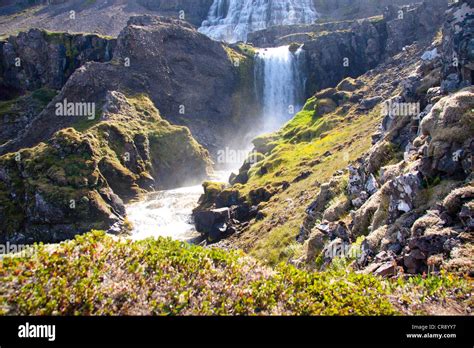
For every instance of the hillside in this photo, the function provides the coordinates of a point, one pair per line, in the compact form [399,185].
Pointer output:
[332,152]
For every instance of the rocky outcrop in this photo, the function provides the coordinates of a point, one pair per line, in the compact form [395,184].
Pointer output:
[16,114]
[194,11]
[411,217]
[189,77]
[77,181]
[458,47]
[41,59]
[363,45]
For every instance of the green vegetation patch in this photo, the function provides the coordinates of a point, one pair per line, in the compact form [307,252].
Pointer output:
[96,274]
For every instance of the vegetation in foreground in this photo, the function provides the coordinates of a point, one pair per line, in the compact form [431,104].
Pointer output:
[96,274]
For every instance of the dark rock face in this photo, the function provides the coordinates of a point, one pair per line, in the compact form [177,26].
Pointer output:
[37,58]
[189,77]
[213,223]
[458,47]
[334,56]
[412,23]
[340,49]
[350,9]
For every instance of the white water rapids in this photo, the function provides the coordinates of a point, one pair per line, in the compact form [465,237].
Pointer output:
[233,20]
[168,213]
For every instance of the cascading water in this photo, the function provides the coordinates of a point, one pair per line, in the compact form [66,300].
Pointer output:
[279,81]
[233,20]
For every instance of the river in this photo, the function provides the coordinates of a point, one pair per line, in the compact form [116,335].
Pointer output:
[168,213]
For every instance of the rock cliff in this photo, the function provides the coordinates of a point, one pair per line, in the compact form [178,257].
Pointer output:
[190,78]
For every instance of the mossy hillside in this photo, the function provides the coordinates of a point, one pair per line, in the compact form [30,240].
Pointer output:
[37,99]
[304,154]
[129,152]
[14,113]
[318,145]
[96,274]
[39,184]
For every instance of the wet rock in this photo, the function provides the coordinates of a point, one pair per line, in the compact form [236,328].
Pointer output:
[324,106]
[212,223]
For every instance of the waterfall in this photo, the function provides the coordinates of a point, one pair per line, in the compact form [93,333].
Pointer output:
[233,20]
[279,82]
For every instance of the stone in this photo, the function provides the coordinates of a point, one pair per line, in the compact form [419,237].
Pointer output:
[314,245]
[369,103]
[349,85]
[414,261]
[387,269]
[209,221]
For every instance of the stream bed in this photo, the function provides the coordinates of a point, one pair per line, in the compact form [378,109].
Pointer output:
[168,213]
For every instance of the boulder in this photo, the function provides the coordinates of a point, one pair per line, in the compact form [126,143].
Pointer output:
[212,223]
[449,126]
[349,85]
[369,103]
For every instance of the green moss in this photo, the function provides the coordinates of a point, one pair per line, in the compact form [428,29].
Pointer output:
[35,101]
[212,188]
